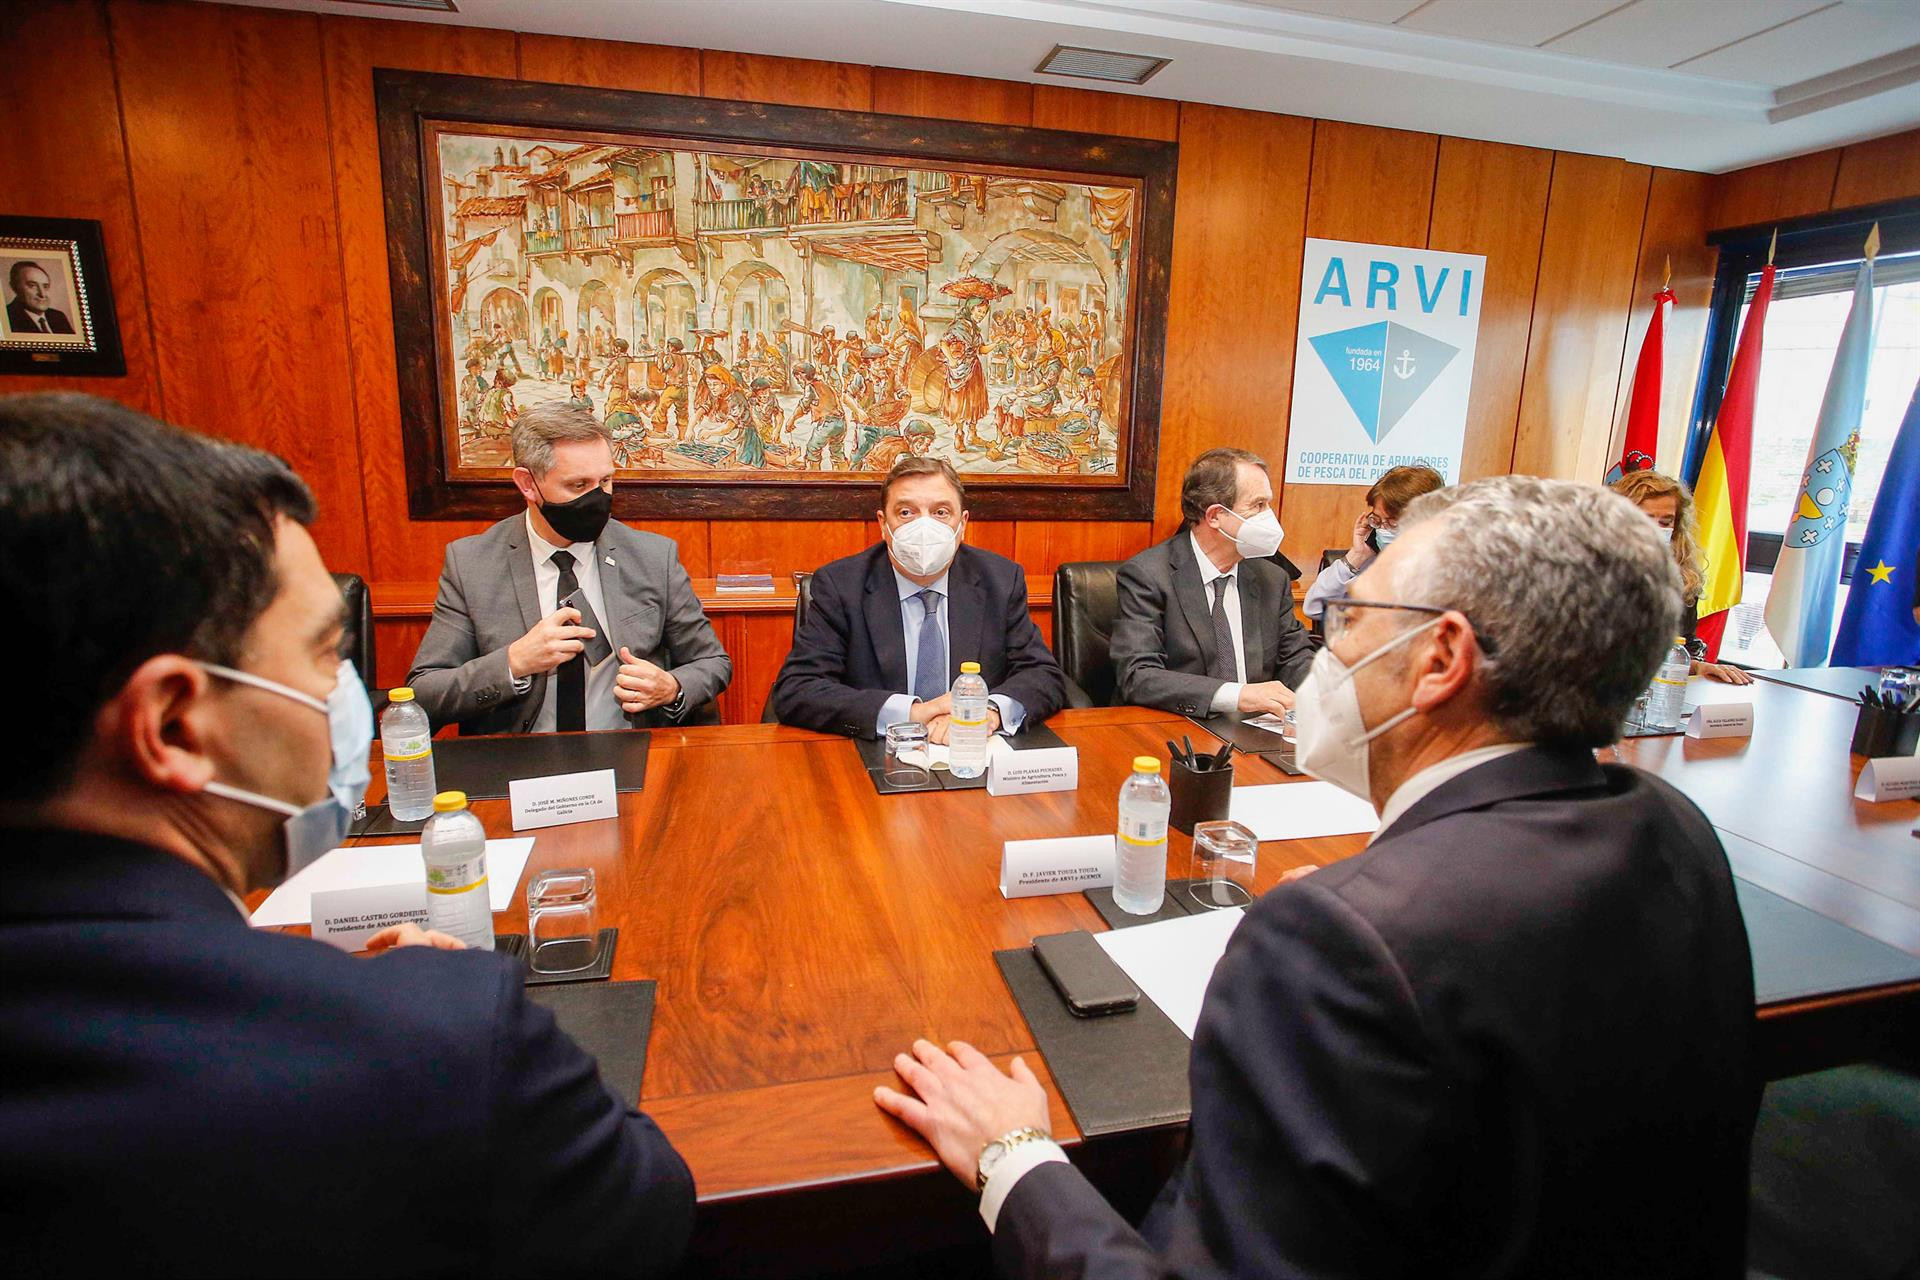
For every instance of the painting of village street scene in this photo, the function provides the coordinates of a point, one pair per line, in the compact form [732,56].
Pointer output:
[786,316]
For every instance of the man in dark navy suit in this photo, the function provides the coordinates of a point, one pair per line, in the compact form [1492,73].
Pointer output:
[1511,1038]
[888,629]
[186,1095]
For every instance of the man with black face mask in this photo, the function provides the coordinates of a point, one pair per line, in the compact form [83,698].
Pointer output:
[186,1095]
[561,618]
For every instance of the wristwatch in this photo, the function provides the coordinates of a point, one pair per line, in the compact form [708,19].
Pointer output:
[996,1151]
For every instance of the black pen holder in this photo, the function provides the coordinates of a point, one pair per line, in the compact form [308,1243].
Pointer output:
[1875,732]
[1199,795]
[1906,734]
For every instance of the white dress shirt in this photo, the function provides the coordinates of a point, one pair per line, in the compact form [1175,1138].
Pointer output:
[913,616]
[1429,779]
[1228,696]
[603,709]
[1332,582]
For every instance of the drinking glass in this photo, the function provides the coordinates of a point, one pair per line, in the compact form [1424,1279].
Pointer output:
[1221,869]
[562,921]
[906,762]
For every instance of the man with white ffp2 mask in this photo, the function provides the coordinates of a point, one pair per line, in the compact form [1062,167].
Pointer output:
[887,629]
[1206,620]
[1512,1037]
[246,1102]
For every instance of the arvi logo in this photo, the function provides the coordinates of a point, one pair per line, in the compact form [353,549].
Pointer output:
[1382,369]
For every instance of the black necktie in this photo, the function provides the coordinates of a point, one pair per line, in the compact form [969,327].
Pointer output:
[570,680]
[1223,666]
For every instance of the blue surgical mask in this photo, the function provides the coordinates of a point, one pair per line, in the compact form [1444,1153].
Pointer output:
[1382,536]
[314,830]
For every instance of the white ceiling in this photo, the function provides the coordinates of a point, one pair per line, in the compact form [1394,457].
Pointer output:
[1692,84]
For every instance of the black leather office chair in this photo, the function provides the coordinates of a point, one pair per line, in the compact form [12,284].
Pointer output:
[357,644]
[1086,598]
[802,601]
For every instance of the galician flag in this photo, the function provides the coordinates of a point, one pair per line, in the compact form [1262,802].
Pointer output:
[1720,490]
[1806,577]
[1643,410]
[1878,627]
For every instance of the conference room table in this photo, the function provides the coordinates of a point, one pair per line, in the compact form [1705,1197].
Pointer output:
[802,929]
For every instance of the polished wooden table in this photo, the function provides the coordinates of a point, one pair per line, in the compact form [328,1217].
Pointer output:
[803,929]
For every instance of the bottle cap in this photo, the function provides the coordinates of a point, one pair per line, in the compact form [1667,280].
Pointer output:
[969,668]
[1146,764]
[402,694]
[450,802]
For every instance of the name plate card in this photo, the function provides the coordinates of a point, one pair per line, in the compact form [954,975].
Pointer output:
[1019,773]
[346,918]
[1721,720]
[1889,778]
[1031,868]
[561,798]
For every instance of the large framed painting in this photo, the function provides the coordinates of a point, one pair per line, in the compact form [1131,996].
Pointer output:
[769,306]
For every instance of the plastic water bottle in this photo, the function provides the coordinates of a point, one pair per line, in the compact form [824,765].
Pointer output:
[1667,695]
[406,740]
[454,845]
[968,732]
[1140,847]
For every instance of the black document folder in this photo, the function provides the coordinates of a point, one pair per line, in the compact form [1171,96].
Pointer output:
[611,1021]
[1119,1072]
[873,755]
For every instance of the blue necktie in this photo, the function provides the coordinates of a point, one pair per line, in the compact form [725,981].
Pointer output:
[930,671]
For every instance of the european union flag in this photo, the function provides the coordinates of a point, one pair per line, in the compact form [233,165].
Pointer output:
[1878,627]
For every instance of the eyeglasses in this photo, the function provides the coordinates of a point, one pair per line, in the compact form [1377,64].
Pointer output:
[1335,618]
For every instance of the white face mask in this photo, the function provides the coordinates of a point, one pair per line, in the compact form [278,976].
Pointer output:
[924,546]
[311,831]
[1331,737]
[1259,535]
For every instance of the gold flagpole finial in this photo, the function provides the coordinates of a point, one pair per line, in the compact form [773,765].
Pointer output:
[1772,245]
[1873,243]
[1666,276]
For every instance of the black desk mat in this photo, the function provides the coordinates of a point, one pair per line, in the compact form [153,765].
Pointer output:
[1177,904]
[515,944]
[1121,1072]
[482,767]
[1248,740]
[612,1021]
[873,755]
[1798,953]
[379,821]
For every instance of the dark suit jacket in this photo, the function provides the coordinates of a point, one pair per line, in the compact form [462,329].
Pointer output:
[851,653]
[188,1096]
[1163,634]
[488,599]
[1510,1039]
[20,322]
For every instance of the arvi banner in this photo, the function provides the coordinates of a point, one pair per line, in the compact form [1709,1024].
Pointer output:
[1384,361]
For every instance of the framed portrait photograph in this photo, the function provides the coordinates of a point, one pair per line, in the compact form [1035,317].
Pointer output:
[770,306]
[58,317]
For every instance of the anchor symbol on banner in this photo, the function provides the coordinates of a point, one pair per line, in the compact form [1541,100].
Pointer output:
[1403,367]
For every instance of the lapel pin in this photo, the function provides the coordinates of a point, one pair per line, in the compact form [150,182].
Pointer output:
[610,561]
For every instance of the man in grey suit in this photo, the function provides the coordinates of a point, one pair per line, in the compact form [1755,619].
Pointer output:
[1206,620]
[560,618]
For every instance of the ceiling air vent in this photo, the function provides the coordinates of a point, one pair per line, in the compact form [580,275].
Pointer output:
[1100,64]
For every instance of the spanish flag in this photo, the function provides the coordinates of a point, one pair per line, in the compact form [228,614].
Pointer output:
[1720,492]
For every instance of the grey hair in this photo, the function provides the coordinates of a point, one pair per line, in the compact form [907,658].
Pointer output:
[1575,590]
[538,429]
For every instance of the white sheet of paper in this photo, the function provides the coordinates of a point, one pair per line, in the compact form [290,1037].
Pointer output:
[1271,723]
[1300,810]
[365,865]
[933,756]
[1172,961]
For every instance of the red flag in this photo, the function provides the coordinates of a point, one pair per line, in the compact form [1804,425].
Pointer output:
[1720,490]
[1643,410]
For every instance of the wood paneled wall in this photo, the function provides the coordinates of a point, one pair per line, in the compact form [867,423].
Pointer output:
[230,154]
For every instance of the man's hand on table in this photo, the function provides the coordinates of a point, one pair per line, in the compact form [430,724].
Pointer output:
[960,1102]
[940,728]
[412,935]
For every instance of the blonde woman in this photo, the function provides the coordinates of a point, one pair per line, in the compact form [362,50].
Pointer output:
[1668,504]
